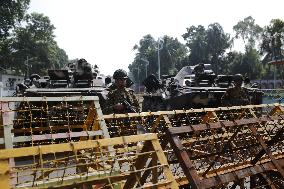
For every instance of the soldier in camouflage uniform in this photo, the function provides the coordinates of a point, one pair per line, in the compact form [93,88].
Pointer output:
[121,99]
[237,95]
[198,71]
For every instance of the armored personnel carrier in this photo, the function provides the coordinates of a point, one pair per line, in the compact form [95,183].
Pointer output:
[76,79]
[190,90]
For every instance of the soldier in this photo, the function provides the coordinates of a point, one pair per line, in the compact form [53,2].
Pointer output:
[236,95]
[121,99]
[198,71]
[173,87]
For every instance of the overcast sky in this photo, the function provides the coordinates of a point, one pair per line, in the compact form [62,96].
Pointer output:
[105,31]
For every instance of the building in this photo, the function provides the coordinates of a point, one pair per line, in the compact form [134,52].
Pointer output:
[8,83]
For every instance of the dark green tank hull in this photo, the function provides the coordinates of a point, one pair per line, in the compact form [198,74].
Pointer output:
[192,97]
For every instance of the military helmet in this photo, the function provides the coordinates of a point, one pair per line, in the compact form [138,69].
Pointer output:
[36,76]
[120,74]
[238,77]
[201,65]
[80,61]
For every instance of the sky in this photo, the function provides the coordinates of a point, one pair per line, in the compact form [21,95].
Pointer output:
[104,32]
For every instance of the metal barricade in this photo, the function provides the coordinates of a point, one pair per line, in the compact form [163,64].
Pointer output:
[159,122]
[88,164]
[245,152]
[32,121]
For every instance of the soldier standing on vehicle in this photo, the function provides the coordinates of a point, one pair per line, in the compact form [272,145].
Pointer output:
[236,95]
[121,99]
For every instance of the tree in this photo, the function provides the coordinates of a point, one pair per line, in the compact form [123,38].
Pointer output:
[11,13]
[207,45]
[272,45]
[145,51]
[27,41]
[35,40]
[195,38]
[217,43]
[171,56]
[272,40]
[248,31]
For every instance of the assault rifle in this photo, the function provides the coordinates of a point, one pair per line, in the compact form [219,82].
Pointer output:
[129,108]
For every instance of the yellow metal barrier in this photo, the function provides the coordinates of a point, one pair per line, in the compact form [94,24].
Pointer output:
[88,163]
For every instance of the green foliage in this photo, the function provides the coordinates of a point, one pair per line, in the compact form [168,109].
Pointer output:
[207,45]
[11,13]
[248,31]
[272,40]
[36,40]
[211,45]
[272,47]
[171,57]
[32,47]
[251,63]
[247,64]
[217,43]
[195,38]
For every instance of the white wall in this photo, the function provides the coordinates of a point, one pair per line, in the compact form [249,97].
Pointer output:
[8,84]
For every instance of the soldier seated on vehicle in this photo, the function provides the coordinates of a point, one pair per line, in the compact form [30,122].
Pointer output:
[198,71]
[173,87]
[34,81]
[121,99]
[237,95]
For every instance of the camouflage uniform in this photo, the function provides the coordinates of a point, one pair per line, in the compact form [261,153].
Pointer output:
[198,71]
[120,96]
[235,96]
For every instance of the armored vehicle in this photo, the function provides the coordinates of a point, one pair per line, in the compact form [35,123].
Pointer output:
[190,90]
[43,115]
[77,79]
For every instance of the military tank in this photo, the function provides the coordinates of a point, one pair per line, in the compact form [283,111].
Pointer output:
[190,90]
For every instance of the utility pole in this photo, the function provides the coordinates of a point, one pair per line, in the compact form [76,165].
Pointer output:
[138,77]
[160,43]
[28,66]
[147,64]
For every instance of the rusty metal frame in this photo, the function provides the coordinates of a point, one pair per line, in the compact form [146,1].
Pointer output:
[271,162]
[173,112]
[209,115]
